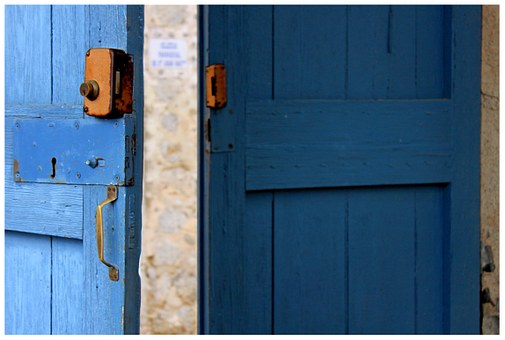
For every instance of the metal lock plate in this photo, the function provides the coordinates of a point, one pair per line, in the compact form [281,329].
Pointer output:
[68,151]
[108,83]
[216,86]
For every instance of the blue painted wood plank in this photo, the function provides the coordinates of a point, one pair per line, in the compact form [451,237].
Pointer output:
[27,283]
[258,259]
[309,41]
[204,277]
[43,111]
[108,26]
[401,52]
[69,45]
[310,262]
[373,143]
[67,286]
[28,56]
[226,300]
[431,260]
[132,213]
[367,33]
[381,261]
[432,44]
[358,122]
[465,186]
[43,209]
[260,51]
[283,167]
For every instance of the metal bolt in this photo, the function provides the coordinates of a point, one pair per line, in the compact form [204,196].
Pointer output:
[87,53]
[116,124]
[85,109]
[76,125]
[18,175]
[117,178]
[78,175]
[17,125]
[92,163]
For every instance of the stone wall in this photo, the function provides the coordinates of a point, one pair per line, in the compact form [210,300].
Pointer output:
[168,263]
[168,266]
[489,170]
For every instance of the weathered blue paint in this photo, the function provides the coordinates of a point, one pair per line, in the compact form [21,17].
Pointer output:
[54,282]
[349,202]
[41,157]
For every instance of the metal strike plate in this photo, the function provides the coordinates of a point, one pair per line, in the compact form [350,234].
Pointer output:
[73,151]
[108,83]
[216,86]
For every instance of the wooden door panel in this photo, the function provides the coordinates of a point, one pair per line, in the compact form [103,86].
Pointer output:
[340,182]
[67,261]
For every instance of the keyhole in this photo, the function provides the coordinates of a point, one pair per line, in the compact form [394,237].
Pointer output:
[53,162]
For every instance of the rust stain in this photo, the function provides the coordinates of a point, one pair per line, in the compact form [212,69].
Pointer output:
[123,102]
[17,177]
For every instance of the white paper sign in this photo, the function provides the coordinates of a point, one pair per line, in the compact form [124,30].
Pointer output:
[167,53]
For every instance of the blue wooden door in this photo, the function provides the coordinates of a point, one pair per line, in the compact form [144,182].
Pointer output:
[54,282]
[340,184]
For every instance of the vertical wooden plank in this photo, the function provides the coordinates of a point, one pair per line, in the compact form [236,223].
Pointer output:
[133,200]
[259,49]
[69,45]
[258,264]
[465,187]
[203,229]
[430,50]
[430,260]
[107,26]
[381,261]
[67,286]
[367,33]
[310,42]
[227,182]
[381,53]
[27,283]
[28,54]
[309,262]
[401,52]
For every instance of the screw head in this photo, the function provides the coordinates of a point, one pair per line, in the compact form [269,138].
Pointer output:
[78,175]
[117,178]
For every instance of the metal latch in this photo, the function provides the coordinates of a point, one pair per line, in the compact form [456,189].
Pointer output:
[108,83]
[216,86]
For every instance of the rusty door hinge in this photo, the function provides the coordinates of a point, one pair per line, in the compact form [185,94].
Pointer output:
[216,86]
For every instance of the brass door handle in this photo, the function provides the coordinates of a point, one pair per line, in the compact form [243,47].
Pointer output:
[111,197]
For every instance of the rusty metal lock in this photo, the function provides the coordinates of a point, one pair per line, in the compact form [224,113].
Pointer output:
[108,83]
